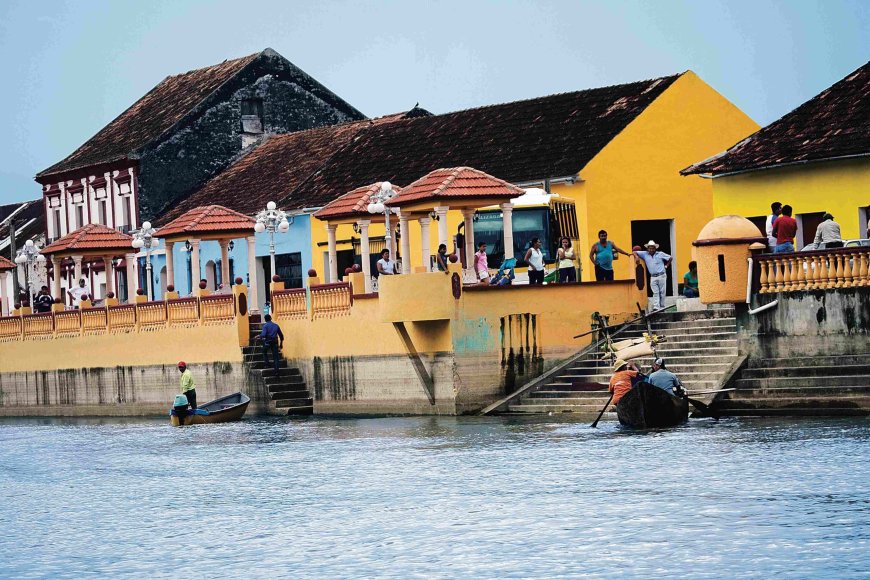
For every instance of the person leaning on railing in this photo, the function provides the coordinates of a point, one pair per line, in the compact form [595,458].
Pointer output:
[828,234]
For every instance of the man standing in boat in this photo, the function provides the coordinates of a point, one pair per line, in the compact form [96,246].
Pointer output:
[273,339]
[665,379]
[624,377]
[188,387]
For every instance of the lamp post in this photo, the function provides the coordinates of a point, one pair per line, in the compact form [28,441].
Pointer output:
[272,219]
[146,238]
[27,257]
[378,204]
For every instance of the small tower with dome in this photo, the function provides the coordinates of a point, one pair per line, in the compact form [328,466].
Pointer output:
[722,251]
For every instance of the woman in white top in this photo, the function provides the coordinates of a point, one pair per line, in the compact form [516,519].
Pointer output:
[535,259]
[385,265]
[565,255]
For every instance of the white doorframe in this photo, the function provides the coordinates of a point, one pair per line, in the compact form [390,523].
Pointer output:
[675,279]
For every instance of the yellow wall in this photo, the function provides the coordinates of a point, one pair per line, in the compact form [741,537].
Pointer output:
[838,187]
[711,288]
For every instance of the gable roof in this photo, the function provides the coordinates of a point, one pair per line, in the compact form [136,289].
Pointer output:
[90,238]
[833,124]
[6,264]
[553,136]
[210,219]
[460,183]
[29,217]
[352,204]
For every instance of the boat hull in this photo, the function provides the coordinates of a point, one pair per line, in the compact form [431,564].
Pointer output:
[646,407]
[223,410]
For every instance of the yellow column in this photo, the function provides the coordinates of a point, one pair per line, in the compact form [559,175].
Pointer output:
[252,272]
[55,281]
[424,241]
[333,253]
[225,264]
[132,282]
[109,269]
[443,236]
[404,231]
[468,216]
[195,272]
[507,211]
[170,264]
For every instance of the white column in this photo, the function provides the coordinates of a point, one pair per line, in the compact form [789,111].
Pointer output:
[132,280]
[195,272]
[404,232]
[333,254]
[252,273]
[225,264]
[55,281]
[109,271]
[468,215]
[4,308]
[170,264]
[424,240]
[442,226]
[77,260]
[365,250]
[507,211]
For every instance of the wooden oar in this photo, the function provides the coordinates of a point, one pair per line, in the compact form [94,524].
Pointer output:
[601,414]
[710,392]
[705,409]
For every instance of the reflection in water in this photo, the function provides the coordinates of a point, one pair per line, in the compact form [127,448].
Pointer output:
[433,496]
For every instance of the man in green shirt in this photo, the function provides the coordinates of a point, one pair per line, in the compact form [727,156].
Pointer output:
[188,387]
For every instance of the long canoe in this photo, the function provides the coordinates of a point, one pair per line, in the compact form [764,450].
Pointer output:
[646,406]
[223,410]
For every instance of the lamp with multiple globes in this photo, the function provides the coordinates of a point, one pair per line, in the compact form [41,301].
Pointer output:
[146,238]
[272,220]
[378,205]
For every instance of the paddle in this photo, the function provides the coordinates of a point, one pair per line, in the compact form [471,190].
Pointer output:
[601,414]
[705,409]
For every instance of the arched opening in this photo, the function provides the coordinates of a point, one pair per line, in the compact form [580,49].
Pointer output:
[211,275]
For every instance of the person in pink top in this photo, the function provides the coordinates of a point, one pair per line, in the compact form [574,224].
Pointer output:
[480,264]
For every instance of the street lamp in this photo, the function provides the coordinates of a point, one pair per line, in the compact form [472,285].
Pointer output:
[28,256]
[272,219]
[146,238]
[378,204]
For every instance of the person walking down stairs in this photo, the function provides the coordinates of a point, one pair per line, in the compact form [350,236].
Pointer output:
[273,339]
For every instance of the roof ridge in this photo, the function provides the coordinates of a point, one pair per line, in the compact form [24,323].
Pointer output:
[203,68]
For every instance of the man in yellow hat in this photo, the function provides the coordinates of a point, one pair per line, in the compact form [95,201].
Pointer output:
[188,387]
[623,379]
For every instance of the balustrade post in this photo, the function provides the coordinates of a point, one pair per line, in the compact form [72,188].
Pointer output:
[779,275]
[823,273]
[848,265]
[762,277]
[800,274]
[863,269]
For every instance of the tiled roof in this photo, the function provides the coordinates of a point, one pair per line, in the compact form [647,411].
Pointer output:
[833,124]
[89,238]
[210,219]
[29,219]
[461,183]
[351,204]
[6,264]
[552,136]
[161,108]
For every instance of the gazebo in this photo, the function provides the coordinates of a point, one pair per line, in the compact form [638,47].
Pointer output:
[211,222]
[463,188]
[93,241]
[352,207]
[5,266]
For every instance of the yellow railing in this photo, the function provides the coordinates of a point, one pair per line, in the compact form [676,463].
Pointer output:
[67,323]
[817,270]
[10,328]
[151,315]
[331,300]
[38,326]
[122,318]
[183,312]
[290,303]
[94,321]
[217,309]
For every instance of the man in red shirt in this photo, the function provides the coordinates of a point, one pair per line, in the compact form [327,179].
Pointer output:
[784,229]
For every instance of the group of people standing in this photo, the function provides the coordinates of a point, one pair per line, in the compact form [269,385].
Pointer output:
[781,229]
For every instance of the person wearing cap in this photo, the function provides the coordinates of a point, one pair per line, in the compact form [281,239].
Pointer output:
[188,387]
[656,264]
[624,377]
[79,292]
[665,379]
[828,234]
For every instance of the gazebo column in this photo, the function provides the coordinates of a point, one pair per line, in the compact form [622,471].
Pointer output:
[132,280]
[170,264]
[333,254]
[4,307]
[252,272]
[404,233]
[225,263]
[109,270]
[195,272]
[424,240]
[441,212]
[365,250]
[507,212]
[468,216]
[55,280]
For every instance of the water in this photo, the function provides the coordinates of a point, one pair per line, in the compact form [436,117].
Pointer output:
[434,497]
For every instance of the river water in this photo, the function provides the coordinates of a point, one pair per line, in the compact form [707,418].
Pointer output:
[434,497]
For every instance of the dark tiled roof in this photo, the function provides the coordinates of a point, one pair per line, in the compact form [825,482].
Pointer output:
[352,204]
[210,219]
[30,222]
[161,108]
[456,183]
[833,124]
[89,238]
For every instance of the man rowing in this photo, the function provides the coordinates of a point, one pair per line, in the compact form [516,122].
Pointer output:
[625,375]
[664,379]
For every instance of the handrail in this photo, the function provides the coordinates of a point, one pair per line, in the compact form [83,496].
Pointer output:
[814,270]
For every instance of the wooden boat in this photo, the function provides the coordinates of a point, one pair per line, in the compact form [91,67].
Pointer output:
[223,410]
[647,406]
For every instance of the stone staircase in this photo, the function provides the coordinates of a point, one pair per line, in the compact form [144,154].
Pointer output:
[701,348]
[818,386]
[286,388]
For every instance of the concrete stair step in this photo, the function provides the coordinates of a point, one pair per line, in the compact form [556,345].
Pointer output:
[805,381]
[681,331]
[667,352]
[858,402]
[791,392]
[560,394]
[846,411]
[576,386]
[813,361]
[284,383]
[590,410]
[299,402]
[290,395]
[598,401]
[803,371]
[260,364]
[282,372]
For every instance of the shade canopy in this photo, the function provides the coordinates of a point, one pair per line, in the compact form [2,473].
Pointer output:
[91,240]
[209,222]
[353,205]
[456,187]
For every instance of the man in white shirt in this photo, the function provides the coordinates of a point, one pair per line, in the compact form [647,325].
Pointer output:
[78,292]
[776,210]
[386,266]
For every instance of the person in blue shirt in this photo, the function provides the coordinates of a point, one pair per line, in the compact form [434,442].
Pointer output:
[273,339]
[665,379]
[656,264]
[602,255]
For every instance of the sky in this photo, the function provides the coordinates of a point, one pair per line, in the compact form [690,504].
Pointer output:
[70,67]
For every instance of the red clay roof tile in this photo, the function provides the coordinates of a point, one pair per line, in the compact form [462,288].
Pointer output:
[210,219]
[89,238]
[456,183]
[6,264]
[352,204]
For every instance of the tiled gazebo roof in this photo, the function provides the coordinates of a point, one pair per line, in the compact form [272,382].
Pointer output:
[457,184]
[353,204]
[209,221]
[93,239]
[6,264]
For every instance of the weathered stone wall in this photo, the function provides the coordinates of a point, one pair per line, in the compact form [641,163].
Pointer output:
[821,322]
[201,147]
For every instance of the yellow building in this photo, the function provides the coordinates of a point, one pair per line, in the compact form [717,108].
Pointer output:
[816,159]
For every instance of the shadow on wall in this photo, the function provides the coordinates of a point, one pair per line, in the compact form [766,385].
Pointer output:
[521,356]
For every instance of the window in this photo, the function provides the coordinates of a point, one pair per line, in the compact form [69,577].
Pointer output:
[101,212]
[721,268]
[128,214]
[80,215]
[252,116]
[58,231]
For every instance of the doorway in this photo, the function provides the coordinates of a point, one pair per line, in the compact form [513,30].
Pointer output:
[211,275]
[662,233]
[806,232]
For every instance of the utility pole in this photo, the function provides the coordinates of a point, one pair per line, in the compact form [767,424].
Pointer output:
[16,289]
